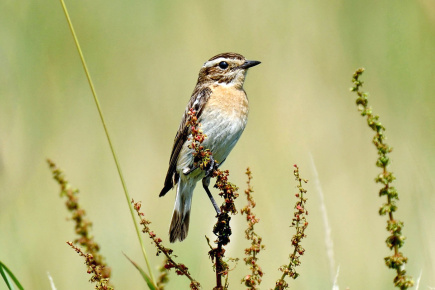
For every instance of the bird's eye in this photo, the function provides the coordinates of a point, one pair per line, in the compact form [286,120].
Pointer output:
[223,64]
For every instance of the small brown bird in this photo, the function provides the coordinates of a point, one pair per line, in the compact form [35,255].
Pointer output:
[221,106]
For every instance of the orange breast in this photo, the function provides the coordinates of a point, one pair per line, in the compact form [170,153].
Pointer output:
[228,100]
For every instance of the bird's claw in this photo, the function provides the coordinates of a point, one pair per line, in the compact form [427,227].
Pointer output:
[211,167]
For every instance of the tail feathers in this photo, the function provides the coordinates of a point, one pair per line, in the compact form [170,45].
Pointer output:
[179,226]
[180,218]
[165,189]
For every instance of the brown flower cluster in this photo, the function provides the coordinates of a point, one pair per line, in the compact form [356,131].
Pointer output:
[82,224]
[180,269]
[94,268]
[201,156]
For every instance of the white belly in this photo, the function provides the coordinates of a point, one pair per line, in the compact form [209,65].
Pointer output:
[223,130]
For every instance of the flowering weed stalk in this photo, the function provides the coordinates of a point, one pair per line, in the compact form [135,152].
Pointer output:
[227,190]
[180,269]
[222,228]
[201,155]
[254,279]
[396,240]
[299,221]
[94,268]
[82,224]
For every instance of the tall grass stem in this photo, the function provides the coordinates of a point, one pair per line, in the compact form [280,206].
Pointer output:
[97,103]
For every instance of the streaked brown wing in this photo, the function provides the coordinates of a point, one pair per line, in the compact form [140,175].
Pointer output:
[198,100]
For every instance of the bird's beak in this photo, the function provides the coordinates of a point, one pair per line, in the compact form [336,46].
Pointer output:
[249,63]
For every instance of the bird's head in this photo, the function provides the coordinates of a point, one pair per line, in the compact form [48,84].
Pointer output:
[225,69]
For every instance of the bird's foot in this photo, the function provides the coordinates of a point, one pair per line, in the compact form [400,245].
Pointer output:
[205,184]
[211,167]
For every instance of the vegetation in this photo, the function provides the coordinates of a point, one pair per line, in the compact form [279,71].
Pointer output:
[143,57]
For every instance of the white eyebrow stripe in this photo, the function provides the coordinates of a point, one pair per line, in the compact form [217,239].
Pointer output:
[214,62]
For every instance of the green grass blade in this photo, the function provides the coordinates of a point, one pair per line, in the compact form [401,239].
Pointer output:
[8,273]
[144,275]
[5,278]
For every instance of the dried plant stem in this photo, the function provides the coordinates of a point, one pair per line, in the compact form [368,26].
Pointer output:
[97,103]
[219,267]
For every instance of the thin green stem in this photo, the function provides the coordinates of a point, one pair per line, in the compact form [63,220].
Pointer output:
[97,103]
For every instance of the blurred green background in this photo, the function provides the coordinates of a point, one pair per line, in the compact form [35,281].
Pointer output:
[144,57]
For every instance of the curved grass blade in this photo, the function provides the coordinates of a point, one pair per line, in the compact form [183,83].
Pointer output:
[5,272]
[144,275]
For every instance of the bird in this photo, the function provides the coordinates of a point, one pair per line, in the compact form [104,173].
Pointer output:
[221,107]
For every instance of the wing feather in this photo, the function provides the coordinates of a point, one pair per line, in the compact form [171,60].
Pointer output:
[197,101]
